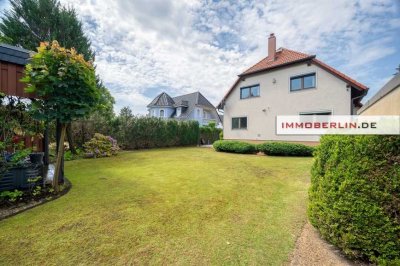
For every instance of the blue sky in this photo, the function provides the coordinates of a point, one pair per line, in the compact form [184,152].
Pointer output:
[144,47]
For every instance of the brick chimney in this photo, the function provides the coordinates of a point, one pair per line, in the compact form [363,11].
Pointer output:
[271,46]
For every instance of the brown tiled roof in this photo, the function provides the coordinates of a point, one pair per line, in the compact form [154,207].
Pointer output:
[284,57]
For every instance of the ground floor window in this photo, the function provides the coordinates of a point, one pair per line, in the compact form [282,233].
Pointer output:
[161,113]
[239,122]
[314,115]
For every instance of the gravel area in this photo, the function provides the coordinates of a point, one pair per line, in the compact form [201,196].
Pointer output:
[311,249]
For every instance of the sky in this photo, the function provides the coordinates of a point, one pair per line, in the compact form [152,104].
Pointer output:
[145,47]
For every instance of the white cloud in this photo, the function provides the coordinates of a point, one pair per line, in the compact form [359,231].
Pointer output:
[146,46]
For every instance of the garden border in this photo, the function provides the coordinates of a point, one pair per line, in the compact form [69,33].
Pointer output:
[4,214]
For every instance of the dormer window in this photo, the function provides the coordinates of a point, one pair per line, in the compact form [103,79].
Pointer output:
[250,91]
[161,113]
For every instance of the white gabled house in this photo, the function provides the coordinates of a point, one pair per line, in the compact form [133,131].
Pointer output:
[192,106]
[286,82]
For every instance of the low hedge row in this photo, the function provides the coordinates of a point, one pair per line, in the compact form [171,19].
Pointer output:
[269,148]
[234,146]
[285,149]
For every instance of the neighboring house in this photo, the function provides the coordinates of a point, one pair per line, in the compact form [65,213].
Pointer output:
[193,106]
[386,101]
[286,82]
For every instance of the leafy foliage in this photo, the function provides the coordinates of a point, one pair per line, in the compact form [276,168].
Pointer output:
[11,196]
[101,146]
[15,120]
[64,81]
[285,149]
[355,195]
[209,133]
[137,132]
[30,22]
[69,156]
[19,156]
[234,146]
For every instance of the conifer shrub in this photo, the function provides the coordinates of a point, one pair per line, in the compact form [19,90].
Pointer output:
[355,196]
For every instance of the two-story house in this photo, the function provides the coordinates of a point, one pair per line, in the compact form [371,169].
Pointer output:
[286,82]
[192,106]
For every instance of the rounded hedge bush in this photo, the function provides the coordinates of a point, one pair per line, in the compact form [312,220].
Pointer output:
[355,196]
[285,149]
[234,146]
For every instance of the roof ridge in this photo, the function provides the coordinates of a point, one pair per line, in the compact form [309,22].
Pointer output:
[166,99]
[184,94]
[205,99]
[283,56]
[293,51]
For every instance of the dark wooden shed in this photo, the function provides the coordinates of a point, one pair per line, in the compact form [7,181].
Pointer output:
[12,63]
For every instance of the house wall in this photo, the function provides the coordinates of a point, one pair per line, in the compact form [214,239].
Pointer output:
[330,94]
[388,105]
[198,115]
[168,111]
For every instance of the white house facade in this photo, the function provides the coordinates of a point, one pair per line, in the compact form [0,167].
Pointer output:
[192,106]
[286,83]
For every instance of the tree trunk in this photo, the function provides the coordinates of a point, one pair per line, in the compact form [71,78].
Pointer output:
[46,159]
[59,161]
[70,139]
[58,135]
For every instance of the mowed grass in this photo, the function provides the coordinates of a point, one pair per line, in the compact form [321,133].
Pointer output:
[168,206]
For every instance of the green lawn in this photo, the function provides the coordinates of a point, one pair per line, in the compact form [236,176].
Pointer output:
[168,206]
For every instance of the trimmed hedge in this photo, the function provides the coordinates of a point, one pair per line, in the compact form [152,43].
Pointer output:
[355,196]
[151,132]
[285,149]
[234,146]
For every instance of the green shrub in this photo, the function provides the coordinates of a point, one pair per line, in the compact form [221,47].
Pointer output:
[69,156]
[11,196]
[101,146]
[209,133]
[285,149]
[152,132]
[234,146]
[355,195]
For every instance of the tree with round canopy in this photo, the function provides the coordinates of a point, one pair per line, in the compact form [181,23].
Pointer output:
[66,86]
